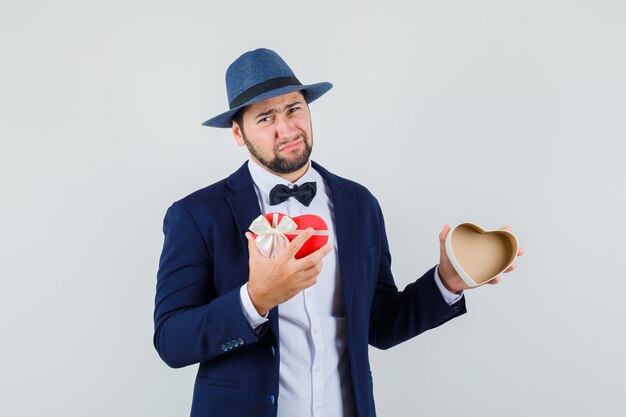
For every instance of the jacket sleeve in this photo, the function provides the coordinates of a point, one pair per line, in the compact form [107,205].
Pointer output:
[191,323]
[397,316]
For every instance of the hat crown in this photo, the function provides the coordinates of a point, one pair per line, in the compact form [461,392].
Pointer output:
[252,68]
[260,75]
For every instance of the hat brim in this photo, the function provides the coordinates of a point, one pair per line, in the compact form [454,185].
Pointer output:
[312,93]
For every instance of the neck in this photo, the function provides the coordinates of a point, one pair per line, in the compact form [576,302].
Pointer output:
[292,176]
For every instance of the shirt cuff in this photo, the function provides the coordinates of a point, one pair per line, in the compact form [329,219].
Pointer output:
[252,316]
[449,296]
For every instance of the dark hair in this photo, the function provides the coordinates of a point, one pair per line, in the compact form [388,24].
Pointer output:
[238,117]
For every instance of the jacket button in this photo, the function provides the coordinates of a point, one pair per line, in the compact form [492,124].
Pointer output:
[224,348]
[240,340]
[229,345]
[273,351]
[235,343]
[272,400]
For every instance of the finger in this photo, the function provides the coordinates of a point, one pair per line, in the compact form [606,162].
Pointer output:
[297,243]
[520,251]
[313,258]
[510,268]
[309,282]
[306,278]
[252,248]
[442,238]
[507,228]
[495,281]
[315,270]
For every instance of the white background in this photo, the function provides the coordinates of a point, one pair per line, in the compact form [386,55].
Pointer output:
[489,111]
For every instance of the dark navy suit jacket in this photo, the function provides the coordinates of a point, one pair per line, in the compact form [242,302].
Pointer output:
[198,316]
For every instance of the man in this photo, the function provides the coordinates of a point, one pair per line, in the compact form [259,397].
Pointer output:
[284,336]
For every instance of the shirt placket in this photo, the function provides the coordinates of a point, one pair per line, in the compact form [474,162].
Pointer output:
[315,333]
[317,359]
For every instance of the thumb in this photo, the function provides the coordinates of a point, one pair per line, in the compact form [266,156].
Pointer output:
[442,239]
[252,248]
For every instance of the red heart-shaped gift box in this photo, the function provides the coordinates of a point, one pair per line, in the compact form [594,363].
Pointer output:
[319,238]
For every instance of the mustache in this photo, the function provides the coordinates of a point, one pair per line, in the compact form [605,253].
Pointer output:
[282,144]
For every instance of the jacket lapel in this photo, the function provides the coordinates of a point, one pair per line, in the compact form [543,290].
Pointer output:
[243,202]
[344,207]
[244,205]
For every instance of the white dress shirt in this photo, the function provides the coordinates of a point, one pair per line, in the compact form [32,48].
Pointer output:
[315,378]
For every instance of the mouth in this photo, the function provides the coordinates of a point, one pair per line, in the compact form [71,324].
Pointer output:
[287,147]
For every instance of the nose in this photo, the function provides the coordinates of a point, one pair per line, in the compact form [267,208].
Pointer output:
[285,128]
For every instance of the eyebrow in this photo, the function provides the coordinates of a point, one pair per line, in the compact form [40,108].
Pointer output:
[274,110]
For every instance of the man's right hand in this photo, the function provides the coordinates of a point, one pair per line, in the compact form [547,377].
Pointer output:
[276,280]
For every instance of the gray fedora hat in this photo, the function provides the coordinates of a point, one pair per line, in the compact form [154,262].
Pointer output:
[258,75]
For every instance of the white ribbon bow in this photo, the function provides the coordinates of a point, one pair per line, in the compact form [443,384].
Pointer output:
[271,239]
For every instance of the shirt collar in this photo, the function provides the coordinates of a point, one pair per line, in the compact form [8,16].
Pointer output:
[266,180]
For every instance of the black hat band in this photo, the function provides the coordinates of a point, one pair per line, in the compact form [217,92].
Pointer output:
[263,87]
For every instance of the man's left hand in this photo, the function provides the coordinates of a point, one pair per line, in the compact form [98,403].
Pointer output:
[449,277]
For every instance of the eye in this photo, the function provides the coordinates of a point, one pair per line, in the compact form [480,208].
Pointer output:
[265,119]
[293,109]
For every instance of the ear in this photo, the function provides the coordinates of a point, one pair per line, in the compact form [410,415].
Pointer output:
[237,134]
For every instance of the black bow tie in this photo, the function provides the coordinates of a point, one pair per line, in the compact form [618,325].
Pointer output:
[303,193]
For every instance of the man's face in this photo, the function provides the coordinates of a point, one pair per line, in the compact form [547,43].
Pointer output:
[277,132]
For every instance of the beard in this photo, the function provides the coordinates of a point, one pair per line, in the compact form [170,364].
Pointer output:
[281,164]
